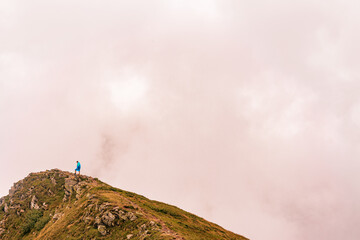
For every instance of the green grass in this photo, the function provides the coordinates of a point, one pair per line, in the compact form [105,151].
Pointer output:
[31,218]
[40,224]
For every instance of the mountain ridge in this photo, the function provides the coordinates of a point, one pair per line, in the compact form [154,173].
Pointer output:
[56,204]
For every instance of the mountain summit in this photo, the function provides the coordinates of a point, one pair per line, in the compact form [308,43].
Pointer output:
[58,205]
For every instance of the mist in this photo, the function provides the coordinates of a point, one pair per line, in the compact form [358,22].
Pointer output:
[246,114]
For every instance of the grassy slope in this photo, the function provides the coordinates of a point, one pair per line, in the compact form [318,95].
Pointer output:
[189,225]
[169,219]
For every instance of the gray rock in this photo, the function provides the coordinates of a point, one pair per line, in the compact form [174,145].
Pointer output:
[142,227]
[78,190]
[122,215]
[108,219]
[57,216]
[45,206]
[34,203]
[154,226]
[97,221]
[103,206]
[69,183]
[102,230]
[131,216]
[88,220]
[6,208]
[126,215]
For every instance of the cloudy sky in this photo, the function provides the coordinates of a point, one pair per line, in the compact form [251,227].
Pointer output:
[246,113]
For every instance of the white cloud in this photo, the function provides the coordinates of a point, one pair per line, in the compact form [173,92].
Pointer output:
[127,91]
[255,102]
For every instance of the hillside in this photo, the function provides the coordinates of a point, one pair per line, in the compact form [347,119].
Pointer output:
[58,205]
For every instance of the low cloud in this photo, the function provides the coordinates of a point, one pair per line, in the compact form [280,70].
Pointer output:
[246,114]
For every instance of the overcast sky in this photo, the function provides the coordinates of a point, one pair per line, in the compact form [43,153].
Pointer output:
[246,113]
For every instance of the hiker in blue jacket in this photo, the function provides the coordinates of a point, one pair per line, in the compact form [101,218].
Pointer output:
[78,166]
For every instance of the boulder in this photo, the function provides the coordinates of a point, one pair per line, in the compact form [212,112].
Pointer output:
[79,189]
[102,230]
[6,208]
[131,216]
[122,215]
[57,216]
[69,183]
[88,220]
[34,203]
[103,206]
[154,226]
[126,215]
[108,219]
[45,206]
[97,221]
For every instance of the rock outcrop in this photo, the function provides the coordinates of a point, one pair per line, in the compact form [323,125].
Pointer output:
[17,186]
[6,208]
[34,203]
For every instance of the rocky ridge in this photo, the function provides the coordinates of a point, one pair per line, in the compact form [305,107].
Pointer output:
[58,205]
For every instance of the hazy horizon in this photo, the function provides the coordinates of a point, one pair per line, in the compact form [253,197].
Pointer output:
[244,113]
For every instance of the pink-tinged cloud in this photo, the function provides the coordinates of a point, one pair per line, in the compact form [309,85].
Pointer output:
[245,113]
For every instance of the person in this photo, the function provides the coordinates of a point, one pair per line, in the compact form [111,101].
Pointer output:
[78,166]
